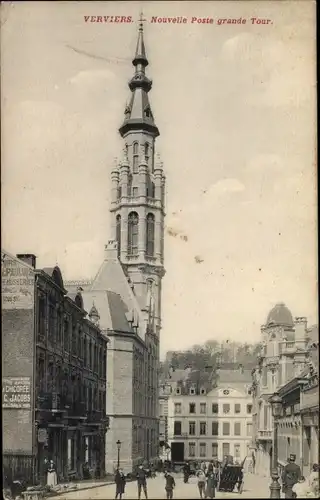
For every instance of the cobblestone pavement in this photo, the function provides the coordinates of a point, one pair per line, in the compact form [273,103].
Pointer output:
[254,487]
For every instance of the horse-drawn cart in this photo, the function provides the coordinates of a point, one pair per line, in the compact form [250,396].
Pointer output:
[231,476]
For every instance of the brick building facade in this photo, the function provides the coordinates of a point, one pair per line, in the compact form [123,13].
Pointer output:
[54,374]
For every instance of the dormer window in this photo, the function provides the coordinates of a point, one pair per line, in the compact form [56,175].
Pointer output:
[192,391]
[202,391]
[127,112]
[178,390]
[147,112]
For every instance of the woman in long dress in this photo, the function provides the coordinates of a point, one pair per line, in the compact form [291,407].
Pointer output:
[52,479]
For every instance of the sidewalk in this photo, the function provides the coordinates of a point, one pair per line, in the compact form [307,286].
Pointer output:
[63,488]
[256,486]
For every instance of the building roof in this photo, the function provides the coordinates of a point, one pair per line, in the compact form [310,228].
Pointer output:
[280,315]
[227,376]
[113,296]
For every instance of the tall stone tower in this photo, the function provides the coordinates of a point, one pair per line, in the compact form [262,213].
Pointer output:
[138,194]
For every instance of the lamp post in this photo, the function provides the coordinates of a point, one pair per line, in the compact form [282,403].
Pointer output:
[119,447]
[276,407]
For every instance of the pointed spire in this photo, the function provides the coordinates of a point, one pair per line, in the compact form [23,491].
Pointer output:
[140,55]
[93,314]
[138,114]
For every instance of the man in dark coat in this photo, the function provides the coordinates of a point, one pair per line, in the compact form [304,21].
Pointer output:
[142,482]
[170,484]
[290,476]
[120,481]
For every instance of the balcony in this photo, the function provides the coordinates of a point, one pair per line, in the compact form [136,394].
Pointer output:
[287,347]
[264,435]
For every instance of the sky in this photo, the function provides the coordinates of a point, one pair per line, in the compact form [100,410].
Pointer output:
[236,108]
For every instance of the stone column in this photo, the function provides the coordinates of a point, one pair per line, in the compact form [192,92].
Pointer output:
[143,175]
[124,233]
[115,175]
[142,234]
[124,177]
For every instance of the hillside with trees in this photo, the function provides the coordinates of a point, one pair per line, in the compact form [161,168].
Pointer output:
[211,355]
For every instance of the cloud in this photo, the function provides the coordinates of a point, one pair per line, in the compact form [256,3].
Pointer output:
[271,72]
[226,186]
[92,77]
[265,162]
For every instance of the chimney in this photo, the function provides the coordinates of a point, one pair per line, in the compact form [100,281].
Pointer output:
[110,250]
[300,325]
[28,258]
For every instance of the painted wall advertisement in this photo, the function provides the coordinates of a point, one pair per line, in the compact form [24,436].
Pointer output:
[17,284]
[16,392]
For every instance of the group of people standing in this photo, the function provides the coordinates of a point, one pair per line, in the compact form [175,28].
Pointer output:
[141,476]
[207,478]
[295,485]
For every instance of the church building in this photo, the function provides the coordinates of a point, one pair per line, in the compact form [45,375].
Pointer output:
[125,295]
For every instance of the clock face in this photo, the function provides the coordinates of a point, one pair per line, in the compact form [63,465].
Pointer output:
[226,392]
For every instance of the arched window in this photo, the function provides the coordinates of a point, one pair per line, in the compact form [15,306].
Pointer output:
[118,234]
[147,151]
[135,159]
[150,235]
[133,229]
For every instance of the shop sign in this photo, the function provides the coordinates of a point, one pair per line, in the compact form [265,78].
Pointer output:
[42,435]
[16,392]
[17,284]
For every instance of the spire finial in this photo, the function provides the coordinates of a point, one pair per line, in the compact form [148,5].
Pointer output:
[140,55]
[141,21]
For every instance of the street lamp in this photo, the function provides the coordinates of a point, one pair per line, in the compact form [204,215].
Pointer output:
[276,407]
[119,447]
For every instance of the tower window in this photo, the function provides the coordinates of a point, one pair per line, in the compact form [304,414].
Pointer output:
[135,159]
[119,192]
[129,184]
[133,229]
[118,234]
[150,190]
[146,151]
[135,192]
[150,235]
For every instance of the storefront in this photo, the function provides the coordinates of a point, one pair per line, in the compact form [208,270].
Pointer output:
[310,425]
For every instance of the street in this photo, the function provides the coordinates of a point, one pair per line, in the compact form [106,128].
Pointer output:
[254,487]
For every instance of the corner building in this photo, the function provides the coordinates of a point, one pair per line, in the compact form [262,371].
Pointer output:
[54,367]
[127,287]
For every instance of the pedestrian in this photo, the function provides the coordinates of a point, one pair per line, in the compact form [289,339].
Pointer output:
[313,480]
[211,485]
[209,468]
[186,472]
[120,481]
[52,479]
[290,476]
[301,488]
[142,482]
[201,482]
[170,484]
[253,463]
